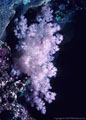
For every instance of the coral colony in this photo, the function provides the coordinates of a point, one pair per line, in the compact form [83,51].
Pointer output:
[37,43]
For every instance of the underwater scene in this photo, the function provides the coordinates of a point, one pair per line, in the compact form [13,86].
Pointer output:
[42,59]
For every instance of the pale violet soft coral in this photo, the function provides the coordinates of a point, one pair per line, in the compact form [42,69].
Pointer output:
[38,43]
